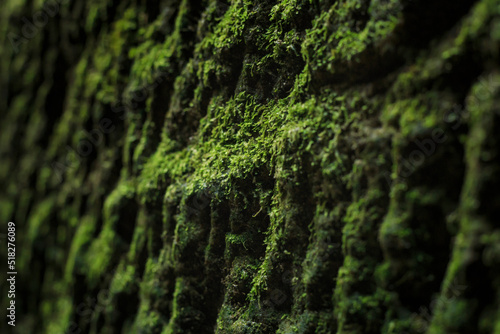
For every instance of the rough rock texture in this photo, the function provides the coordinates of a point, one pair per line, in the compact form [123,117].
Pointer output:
[289,166]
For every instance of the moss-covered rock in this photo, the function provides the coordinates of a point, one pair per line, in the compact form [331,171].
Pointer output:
[292,166]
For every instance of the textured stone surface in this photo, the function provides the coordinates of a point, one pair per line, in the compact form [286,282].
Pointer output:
[293,166]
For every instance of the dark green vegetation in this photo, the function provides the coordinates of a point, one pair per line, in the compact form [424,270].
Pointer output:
[293,166]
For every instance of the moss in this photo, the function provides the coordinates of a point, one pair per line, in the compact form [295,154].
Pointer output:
[40,218]
[340,41]
[81,240]
[139,238]
[108,243]
[230,29]
[123,279]
[7,208]
[63,308]
[184,314]
[252,182]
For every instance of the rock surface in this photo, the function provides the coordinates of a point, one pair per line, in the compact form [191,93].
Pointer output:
[290,166]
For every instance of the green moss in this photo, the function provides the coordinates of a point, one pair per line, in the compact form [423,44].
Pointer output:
[63,308]
[148,320]
[103,249]
[333,40]
[229,31]
[40,218]
[293,119]
[123,279]
[183,312]
[81,240]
